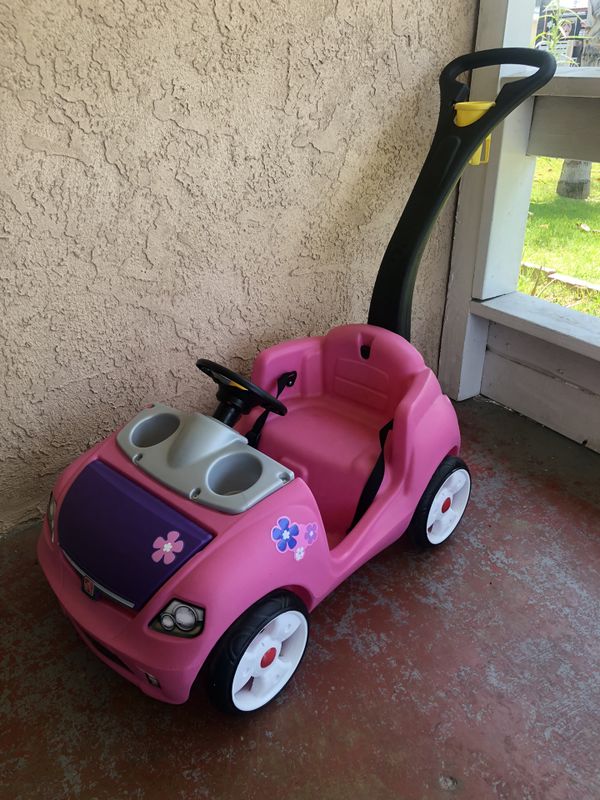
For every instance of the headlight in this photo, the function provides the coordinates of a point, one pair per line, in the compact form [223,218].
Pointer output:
[179,619]
[50,514]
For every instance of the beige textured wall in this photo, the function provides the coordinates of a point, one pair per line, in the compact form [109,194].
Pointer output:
[183,177]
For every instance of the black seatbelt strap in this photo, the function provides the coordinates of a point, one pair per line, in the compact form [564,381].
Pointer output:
[253,435]
[374,480]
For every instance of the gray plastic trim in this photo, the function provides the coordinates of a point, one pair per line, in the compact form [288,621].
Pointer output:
[98,586]
[201,459]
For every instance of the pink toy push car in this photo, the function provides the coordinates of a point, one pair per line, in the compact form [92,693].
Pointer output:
[186,542]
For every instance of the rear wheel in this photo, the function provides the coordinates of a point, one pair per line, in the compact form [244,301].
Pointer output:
[257,656]
[443,503]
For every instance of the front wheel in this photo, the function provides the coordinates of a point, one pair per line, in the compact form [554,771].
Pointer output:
[443,503]
[258,655]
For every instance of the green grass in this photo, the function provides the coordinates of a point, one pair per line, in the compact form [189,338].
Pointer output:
[530,282]
[556,240]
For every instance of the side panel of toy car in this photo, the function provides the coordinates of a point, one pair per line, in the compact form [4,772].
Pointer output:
[280,543]
[425,432]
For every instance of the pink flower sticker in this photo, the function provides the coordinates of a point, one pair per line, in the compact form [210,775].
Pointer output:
[165,549]
[310,533]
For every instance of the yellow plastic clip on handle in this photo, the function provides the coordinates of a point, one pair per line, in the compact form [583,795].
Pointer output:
[466,114]
[482,154]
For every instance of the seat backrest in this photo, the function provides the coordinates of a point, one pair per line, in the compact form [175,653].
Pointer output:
[368,365]
[363,364]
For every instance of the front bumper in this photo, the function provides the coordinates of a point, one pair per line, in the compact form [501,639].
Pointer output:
[120,638]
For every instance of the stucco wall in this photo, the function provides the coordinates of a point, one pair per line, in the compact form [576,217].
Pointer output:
[183,178]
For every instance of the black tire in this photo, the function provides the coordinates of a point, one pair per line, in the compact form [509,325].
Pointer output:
[230,648]
[417,529]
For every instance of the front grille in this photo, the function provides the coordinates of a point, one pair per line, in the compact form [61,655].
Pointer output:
[102,589]
[108,653]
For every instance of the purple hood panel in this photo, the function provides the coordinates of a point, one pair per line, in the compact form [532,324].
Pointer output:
[123,537]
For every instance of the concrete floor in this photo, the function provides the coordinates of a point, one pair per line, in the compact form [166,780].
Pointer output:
[470,672]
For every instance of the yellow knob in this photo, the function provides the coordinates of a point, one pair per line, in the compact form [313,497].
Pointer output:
[469,112]
[466,114]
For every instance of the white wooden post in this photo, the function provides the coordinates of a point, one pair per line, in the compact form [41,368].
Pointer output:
[502,23]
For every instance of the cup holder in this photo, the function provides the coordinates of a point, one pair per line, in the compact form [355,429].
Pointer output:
[234,473]
[154,430]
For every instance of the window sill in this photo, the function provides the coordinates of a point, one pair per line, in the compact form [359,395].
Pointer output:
[563,327]
[567,82]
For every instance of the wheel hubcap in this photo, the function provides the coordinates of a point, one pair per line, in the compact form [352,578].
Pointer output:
[448,506]
[268,658]
[269,661]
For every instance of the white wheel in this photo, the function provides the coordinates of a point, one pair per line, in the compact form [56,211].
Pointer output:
[269,661]
[442,505]
[258,654]
[448,506]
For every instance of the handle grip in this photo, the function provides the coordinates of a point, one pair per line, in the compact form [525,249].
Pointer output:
[511,94]
[525,56]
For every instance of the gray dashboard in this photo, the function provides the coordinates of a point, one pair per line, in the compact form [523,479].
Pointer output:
[201,459]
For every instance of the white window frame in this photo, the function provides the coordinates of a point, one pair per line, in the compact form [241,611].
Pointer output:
[539,358]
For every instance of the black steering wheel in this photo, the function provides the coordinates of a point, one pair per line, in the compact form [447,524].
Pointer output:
[236,394]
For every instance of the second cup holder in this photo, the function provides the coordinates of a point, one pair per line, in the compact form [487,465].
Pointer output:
[154,430]
[234,473]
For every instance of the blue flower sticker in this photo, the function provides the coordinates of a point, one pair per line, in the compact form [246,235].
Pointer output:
[285,535]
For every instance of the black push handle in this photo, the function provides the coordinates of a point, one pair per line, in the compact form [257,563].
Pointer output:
[451,149]
[522,56]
